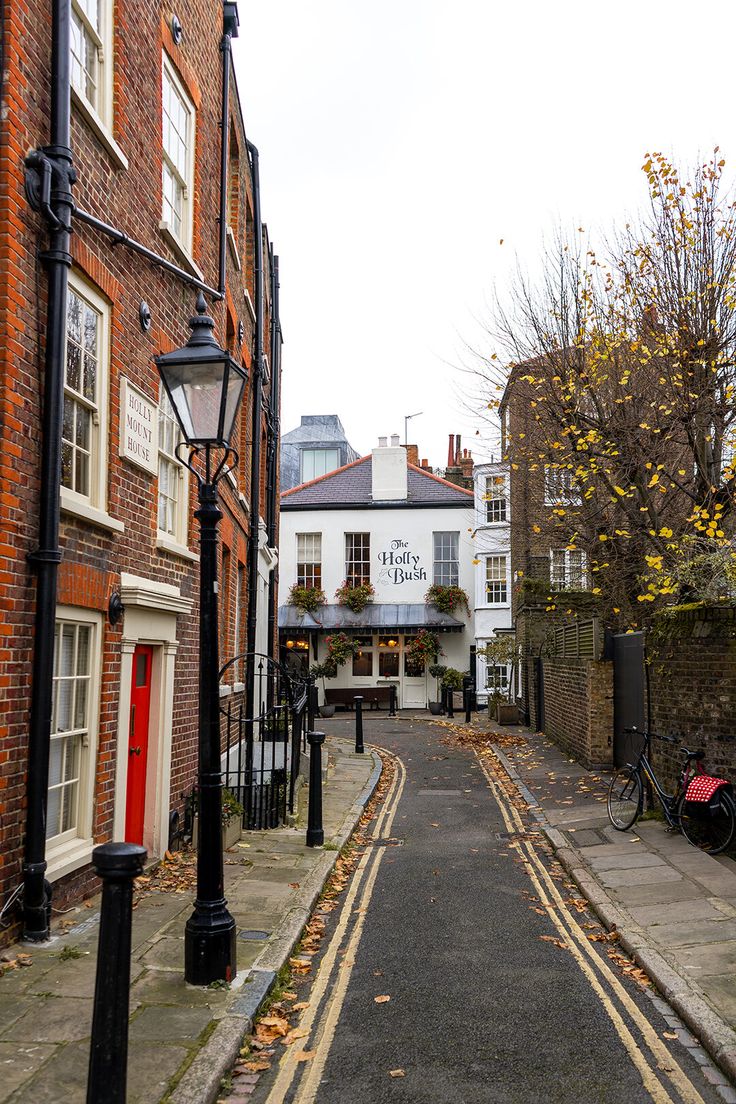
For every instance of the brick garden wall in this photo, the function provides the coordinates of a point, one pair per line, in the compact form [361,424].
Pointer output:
[692,687]
[578,708]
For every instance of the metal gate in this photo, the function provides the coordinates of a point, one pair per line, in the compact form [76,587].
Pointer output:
[628,694]
[261,754]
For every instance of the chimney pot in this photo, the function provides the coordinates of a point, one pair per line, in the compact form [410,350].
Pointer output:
[395,440]
[382,442]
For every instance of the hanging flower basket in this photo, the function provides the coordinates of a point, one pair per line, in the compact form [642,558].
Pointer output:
[307,599]
[340,648]
[446,598]
[356,598]
[423,647]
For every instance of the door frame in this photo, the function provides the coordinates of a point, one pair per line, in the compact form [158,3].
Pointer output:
[151,610]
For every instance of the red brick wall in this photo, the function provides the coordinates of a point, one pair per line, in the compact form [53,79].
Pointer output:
[578,708]
[691,657]
[130,199]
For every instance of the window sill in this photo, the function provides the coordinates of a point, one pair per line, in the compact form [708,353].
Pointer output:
[100,131]
[68,857]
[165,543]
[225,689]
[249,305]
[83,510]
[182,256]
[233,248]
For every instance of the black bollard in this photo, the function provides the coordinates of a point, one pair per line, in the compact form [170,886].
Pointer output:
[392,701]
[467,701]
[117,864]
[450,703]
[315,831]
[359,749]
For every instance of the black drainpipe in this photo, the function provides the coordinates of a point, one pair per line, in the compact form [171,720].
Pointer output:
[229,32]
[255,467]
[52,174]
[273,454]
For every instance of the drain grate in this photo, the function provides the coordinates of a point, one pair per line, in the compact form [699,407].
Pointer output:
[254,936]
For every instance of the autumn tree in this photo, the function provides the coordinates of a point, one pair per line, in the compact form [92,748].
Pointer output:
[623,362]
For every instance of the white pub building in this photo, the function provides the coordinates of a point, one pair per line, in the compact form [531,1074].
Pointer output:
[384,521]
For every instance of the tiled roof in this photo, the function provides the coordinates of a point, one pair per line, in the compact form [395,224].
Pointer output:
[352,486]
[376,617]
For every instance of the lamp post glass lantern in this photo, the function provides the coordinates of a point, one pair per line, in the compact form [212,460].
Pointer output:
[205,386]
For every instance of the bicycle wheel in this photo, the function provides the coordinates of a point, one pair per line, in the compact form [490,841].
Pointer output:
[624,800]
[713,830]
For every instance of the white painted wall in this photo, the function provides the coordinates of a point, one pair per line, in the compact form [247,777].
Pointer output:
[402,564]
[491,539]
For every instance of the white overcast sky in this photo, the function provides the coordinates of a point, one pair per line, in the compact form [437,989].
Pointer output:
[401,141]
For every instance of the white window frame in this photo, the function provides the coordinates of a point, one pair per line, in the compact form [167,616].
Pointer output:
[354,577]
[306,548]
[500,579]
[93,506]
[496,495]
[571,577]
[315,452]
[72,849]
[179,534]
[439,565]
[559,487]
[184,239]
[500,684]
[98,114]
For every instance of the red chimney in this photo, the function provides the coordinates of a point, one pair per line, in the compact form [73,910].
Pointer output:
[451,452]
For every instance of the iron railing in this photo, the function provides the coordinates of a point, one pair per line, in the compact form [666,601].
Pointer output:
[261,753]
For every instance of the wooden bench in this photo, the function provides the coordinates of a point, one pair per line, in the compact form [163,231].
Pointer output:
[374,696]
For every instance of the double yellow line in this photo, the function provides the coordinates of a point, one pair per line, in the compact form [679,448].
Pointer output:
[602,979]
[321,1018]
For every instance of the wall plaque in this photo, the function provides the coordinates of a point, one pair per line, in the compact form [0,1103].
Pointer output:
[138,428]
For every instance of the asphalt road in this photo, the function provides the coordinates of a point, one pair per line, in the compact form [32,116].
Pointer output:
[485,1004]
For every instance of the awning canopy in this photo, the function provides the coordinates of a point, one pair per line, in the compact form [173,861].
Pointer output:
[379,617]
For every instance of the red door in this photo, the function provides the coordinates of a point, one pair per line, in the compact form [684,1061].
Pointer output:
[140,708]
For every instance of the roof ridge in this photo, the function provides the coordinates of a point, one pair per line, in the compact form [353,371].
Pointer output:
[439,479]
[327,475]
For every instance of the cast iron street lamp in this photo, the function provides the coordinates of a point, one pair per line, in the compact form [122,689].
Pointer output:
[205,386]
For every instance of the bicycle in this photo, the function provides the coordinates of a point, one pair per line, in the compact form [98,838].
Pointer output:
[709,825]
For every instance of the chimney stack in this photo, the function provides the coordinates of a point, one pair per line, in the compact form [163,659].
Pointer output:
[451,451]
[412,454]
[466,464]
[389,471]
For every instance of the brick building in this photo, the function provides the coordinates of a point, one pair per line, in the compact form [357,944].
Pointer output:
[145,139]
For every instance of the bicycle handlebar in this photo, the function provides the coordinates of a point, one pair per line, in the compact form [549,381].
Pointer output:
[634,731]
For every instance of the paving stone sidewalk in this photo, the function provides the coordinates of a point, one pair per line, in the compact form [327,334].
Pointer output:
[182,1039]
[674,907]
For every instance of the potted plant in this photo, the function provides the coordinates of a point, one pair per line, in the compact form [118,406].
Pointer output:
[436,671]
[356,598]
[501,652]
[452,679]
[232,818]
[324,671]
[307,599]
[446,598]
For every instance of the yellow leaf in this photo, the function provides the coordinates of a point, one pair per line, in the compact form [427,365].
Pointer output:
[382,999]
[397,1073]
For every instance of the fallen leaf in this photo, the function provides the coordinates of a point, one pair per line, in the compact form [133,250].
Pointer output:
[382,999]
[305,1055]
[293,885]
[397,1073]
[557,942]
[300,1006]
[257,1067]
[669,1034]
[278,1023]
